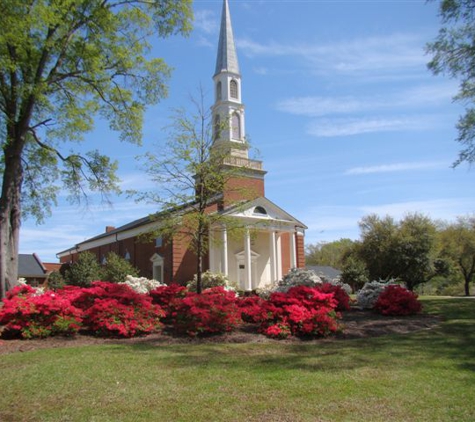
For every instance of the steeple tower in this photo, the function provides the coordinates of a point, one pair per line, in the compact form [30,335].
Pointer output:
[228,109]
[228,119]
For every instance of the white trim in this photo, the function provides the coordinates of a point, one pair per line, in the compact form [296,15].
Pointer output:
[157,267]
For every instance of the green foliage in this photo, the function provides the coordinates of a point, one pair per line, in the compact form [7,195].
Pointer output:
[63,62]
[84,271]
[209,280]
[458,248]
[453,54]
[331,253]
[55,281]
[354,273]
[116,269]
[404,250]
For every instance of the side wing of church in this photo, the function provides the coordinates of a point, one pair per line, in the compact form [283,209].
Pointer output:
[272,241]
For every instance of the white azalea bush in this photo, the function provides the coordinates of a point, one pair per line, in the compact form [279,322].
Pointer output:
[141,284]
[368,295]
[38,290]
[209,280]
[298,277]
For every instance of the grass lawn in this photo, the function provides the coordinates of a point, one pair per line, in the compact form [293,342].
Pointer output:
[424,376]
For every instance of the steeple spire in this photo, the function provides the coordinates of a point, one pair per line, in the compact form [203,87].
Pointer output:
[226,60]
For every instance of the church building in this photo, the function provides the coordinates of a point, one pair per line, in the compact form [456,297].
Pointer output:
[273,242]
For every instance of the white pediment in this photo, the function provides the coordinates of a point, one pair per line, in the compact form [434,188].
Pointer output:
[262,210]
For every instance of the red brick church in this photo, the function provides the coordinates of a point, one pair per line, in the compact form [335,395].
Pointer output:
[277,241]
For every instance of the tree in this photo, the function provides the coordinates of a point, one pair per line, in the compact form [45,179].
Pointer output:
[84,271]
[62,62]
[458,246]
[116,268]
[404,250]
[191,175]
[453,53]
[331,253]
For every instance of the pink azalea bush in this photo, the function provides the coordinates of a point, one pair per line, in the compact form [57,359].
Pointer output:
[395,300]
[111,309]
[213,311]
[301,311]
[27,315]
[340,295]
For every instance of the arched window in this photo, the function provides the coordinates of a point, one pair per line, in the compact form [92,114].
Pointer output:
[260,210]
[233,89]
[217,127]
[219,90]
[235,126]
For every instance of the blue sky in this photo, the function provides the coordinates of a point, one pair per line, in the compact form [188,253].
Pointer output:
[339,102]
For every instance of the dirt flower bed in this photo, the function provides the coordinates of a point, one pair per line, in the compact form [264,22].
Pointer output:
[356,324]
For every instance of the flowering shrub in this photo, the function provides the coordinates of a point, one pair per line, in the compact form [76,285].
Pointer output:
[277,331]
[209,280]
[164,295]
[28,316]
[396,300]
[341,296]
[251,308]
[298,277]
[368,295]
[141,284]
[116,310]
[211,312]
[302,311]
[111,317]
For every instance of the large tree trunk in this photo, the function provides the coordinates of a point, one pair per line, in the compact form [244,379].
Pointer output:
[10,216]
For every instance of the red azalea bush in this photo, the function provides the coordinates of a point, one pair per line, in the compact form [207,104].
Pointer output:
[28,316]
[164,295]
[395,300]
[211,312]
[112,309]
[342,298]
[302,311]
[251,308]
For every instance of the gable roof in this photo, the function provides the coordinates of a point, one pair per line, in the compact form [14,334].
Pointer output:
[263,210]
[30,266]
[325,270]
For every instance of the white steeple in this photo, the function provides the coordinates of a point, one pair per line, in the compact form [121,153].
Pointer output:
[228,110]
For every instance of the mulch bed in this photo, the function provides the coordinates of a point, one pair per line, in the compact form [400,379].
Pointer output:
[356,324]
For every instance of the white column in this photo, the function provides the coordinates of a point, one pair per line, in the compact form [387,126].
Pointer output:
[248,260]
[273,257]
[212,251]
[279,257]
[224,258]
[293,251]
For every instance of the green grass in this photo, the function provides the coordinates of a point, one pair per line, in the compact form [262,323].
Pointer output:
[424,376]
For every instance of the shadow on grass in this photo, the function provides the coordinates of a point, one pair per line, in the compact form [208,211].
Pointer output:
[452,343]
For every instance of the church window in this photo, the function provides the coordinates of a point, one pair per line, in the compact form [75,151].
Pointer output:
[236,126]
[260,210]
[233,89]
[219,89]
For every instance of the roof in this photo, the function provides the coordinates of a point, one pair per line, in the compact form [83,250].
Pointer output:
[226,60]
[325,270]
[30,266]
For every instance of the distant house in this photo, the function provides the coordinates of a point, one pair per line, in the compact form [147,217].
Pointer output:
[33,270]
[325,271]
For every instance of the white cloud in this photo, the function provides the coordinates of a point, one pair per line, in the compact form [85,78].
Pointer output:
[327,128]
[206,21]
[396,167]
[316,106]
[389,54]
[444,208]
